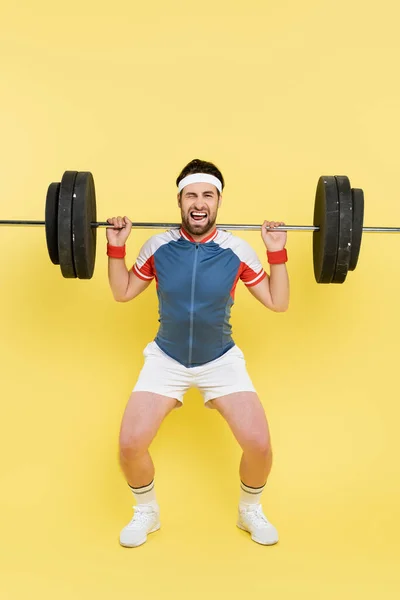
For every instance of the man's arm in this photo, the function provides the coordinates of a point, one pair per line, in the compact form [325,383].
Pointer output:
[273,290]
[124,284]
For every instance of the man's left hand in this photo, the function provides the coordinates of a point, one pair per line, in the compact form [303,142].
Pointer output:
[273,240]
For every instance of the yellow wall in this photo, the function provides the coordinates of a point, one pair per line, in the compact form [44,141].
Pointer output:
[276,94]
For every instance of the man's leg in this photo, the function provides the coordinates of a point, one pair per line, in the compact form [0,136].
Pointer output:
[246,418]
[143,416]
[142,419]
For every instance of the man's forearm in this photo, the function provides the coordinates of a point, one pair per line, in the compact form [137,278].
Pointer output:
[118,276]
[279,287]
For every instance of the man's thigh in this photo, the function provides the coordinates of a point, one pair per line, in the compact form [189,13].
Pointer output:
[245,415]
[143,415]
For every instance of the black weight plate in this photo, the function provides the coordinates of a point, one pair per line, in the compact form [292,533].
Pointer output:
[325,241]
[51,222]
[358,223]
[65,224]
[83,235]
[345,229]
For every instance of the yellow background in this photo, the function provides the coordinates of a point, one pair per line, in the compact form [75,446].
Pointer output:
[276,94]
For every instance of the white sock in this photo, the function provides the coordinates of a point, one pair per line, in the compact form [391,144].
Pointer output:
[250,495]
[145,494]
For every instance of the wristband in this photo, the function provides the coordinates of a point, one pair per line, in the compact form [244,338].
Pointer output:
[277,258]
[116,251]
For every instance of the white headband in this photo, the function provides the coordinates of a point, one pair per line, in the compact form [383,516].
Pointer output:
[200,178]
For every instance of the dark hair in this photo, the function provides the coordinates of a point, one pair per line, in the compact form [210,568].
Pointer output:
[201,166]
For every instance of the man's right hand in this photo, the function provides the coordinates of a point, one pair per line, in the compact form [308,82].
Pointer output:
[118,236]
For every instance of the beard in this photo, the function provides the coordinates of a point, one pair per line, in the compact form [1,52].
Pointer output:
[201,228]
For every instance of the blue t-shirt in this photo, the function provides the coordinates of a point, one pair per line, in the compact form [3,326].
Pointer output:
[196,284]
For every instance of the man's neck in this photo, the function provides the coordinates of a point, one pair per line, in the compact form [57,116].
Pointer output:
[201,237]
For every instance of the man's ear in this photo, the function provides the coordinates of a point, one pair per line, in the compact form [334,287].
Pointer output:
[178,196]
[219,200]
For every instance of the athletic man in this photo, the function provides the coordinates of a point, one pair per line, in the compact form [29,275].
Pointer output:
[196,269]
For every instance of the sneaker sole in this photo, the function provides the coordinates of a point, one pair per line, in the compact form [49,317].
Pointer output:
[272,543]
[141,542]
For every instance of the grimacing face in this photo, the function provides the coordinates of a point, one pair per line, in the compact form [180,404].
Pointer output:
[199,205]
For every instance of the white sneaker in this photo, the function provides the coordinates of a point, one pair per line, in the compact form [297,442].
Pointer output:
[252,519]
[146,519]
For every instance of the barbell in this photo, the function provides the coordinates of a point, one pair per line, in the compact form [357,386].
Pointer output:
[71,226]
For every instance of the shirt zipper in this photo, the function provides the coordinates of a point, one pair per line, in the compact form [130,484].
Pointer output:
[192,306]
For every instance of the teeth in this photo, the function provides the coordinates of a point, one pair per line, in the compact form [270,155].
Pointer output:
[199,214]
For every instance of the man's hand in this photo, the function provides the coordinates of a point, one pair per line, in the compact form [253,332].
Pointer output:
[119,235]
[273,240]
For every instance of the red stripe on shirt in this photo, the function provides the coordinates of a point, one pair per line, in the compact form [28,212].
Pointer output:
[147,271]
[246,275]
[263,276]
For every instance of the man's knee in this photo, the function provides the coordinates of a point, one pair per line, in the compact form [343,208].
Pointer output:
[259,444]
[132,445]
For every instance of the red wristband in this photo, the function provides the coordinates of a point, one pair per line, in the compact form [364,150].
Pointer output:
[116,251]
[277,258]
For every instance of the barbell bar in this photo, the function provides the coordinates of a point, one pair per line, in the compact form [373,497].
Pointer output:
[71,226]
[229,227]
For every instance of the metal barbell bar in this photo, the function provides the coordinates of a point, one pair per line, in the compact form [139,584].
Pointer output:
[229,227]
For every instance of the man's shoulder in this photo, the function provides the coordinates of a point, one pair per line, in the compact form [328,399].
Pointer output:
[156,241]
[227,239]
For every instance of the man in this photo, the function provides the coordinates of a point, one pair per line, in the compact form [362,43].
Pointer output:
[196,269]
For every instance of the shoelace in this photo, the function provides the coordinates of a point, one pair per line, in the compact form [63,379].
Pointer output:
[256,516]
[141,516]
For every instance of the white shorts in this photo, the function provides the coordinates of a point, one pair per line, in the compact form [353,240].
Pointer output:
[163,375]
